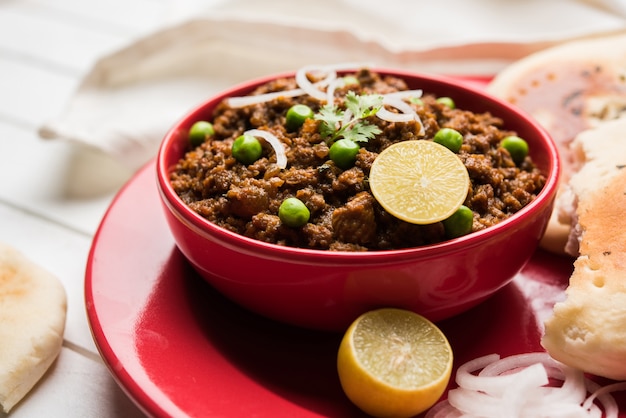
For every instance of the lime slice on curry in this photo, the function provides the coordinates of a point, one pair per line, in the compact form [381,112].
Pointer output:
[419,181]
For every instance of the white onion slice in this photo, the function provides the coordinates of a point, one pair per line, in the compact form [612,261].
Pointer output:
[328,71]
[312,88]
[389,116]
[607,401]
[407,113]
[517,386]
[507,364]
[535,376]
[572,389]
[261,98]
[279,149]
[405,94]
[526,381]
[330,90]
[306,87]
[474,402]
[443,410]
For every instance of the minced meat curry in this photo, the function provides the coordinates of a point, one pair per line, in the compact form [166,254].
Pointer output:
[344,215]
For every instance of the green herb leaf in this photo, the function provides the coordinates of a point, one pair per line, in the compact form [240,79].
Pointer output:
[357,129]
[363,106]
[361,132]
[331,120]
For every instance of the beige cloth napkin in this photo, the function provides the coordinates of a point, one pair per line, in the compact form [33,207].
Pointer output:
[130,98]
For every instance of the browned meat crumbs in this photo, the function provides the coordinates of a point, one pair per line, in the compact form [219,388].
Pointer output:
[344,214]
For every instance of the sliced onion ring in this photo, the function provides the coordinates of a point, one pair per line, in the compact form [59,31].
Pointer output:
[279,149]
[443,410]
[493,385]
[390,116]
[310,88]
[512,386]
[244,101]
[330,90]
[330,74]
[305,86]
[405,94]
[407,113]
[607,401]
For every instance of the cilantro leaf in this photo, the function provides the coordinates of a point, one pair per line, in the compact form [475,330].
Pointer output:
[361,132]
[357,129]
[331,118]
[363,106]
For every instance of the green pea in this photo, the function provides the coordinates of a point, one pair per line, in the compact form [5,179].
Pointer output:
[296,115]
[247,149]
[199,131]
[343,153]
[416,100]
[449,138]
[516,146]
[459,223]
[293,212]
[446,101]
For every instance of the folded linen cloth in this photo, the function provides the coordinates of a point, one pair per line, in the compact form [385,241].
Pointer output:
[130,98]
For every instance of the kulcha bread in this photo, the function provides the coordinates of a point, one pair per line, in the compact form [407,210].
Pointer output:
[588,329]
[599,154]
[568,88]
[33,308]
[577,91]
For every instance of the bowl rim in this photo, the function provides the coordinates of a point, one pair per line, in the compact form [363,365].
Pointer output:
[295,254]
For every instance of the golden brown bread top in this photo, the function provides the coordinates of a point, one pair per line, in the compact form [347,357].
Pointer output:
[602,216]
[588,329]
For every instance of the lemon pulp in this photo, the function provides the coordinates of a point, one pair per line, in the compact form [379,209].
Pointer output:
[419,181]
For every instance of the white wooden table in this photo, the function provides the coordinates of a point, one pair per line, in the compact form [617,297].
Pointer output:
[54,194]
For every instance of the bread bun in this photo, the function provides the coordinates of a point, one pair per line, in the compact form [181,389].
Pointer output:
[568,89]
[599,154]
[32,321]
[588,329]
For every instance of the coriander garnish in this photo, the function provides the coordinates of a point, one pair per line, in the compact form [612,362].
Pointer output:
[350,123]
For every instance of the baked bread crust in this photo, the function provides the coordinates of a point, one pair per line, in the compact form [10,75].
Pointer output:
[33,308]
[588,329]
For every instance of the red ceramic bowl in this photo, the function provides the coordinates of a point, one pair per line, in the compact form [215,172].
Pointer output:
[328,290]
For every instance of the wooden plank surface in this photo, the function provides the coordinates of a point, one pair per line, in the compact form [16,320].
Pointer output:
[52,193]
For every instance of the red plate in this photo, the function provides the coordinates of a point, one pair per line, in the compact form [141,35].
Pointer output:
[178,348]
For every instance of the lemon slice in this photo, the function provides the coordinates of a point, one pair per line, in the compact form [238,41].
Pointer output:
[394,363]
[419,181]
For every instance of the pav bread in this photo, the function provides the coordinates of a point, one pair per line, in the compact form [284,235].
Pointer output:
[598,155]
[588,329]
[568,88]
[32,321]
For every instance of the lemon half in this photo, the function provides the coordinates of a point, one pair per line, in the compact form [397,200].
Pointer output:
[394,363]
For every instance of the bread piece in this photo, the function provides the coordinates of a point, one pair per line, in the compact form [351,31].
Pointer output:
[598,154]
[568,88]
[32,321]
[588,329]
